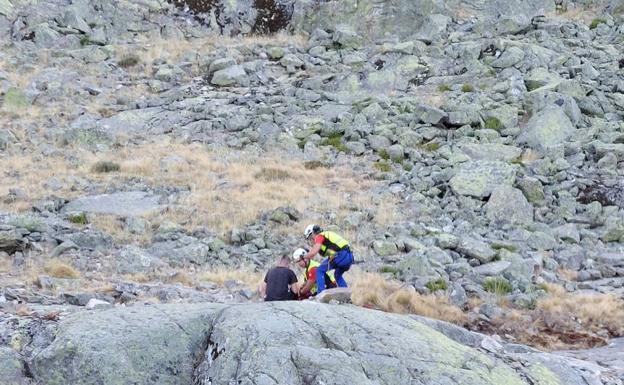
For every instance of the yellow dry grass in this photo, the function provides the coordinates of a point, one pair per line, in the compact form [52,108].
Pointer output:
[563,320]
[372,290]
[5,263]
[219,276]
[114,226]
[225,189]
[594,311]
[59,269]
[582,14]
[182,278]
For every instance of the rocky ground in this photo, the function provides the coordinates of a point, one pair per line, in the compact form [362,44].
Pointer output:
[156,153]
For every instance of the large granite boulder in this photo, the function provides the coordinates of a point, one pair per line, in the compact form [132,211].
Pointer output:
[274,343]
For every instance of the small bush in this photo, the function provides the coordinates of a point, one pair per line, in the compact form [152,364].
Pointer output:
[436,285]
[383,154]
[271,174]
[181,278]
[497,285]
[313,164]
[58,269]
[382,166]
[335,141]
[128,61]
[78,219]
[467,88]
[596,22]
[84,40]
[388,269]
[493,123]
[106,166]
[444,88]
[430,147]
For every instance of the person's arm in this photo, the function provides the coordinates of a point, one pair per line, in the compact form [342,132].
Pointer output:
[294,285]
[262,290]
[313,251]
[305,289]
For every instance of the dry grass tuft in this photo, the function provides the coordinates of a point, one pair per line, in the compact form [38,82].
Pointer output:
[247,276]
[5,263]
[59,269]
[373,291]
[181,278]
[563,320]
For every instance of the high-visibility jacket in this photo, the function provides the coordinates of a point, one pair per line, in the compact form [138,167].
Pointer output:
[312,265]
[332,244]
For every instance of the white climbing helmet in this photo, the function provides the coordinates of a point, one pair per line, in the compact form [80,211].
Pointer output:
[310,229]
[299,254]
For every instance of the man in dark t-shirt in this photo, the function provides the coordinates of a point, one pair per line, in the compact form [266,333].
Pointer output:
[280,283]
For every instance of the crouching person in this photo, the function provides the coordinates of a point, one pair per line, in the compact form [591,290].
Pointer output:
[310,267]
[280,283]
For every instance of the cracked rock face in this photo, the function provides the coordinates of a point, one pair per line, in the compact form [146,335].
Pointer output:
[279,343]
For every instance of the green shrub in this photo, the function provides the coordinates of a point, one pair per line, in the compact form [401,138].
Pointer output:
[493,123]
[388,269]
[430,147]
[467,88]
[335,141]
[382,166]
[84,40]
[128,61]
[497,285]
[105,166]
[596,22]
[78,219]
[444,88]
[436,285]
[383,154]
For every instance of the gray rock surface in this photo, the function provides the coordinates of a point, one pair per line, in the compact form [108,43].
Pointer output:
[209,343]
[131,203]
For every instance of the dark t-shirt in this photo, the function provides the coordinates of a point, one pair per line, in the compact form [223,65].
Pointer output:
[278,279]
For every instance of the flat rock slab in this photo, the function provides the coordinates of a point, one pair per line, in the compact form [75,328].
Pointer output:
[130,203]
[611,356]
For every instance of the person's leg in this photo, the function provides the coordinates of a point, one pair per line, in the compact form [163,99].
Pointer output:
[338,272]
[320,275]
[342,263]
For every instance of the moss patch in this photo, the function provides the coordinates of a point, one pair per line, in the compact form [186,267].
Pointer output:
[596,22]
[493,123]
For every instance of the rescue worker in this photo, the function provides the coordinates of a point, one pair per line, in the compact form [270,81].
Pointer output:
[309,288]
[280,282]
[336,254]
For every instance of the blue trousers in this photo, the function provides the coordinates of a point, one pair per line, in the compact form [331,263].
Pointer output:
[340,264]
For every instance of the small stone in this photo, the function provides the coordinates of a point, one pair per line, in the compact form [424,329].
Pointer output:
[95,304]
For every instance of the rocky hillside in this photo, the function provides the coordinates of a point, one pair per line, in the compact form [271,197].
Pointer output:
[157,151]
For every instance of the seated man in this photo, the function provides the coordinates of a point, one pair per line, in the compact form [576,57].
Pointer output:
[309,287]
[280,282]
